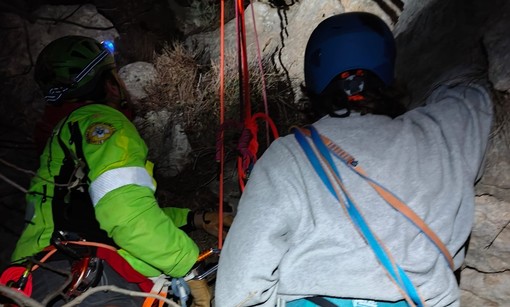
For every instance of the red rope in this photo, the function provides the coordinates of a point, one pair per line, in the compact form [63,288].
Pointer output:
[248,145]
[244,61]
[222,119]
[262,74]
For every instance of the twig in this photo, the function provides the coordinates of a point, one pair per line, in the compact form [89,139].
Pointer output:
[17,167]
[29,172]
[497,235]
[18,297]
[91,291]
[14,184]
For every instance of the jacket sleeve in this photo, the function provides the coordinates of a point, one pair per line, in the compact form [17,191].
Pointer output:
[463,113]
[122,191]
[178,215]
[134,220]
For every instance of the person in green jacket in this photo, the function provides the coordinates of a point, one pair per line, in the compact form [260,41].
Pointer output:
[95,183]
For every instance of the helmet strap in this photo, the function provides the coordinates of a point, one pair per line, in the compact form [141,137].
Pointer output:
[123,99]
[343,115]
[117,96]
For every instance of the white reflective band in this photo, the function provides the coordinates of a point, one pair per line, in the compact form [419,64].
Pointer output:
[116,178]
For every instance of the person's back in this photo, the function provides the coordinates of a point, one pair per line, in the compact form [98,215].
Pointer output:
[291,238]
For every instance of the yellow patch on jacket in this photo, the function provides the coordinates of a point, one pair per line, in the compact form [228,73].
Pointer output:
[97,133]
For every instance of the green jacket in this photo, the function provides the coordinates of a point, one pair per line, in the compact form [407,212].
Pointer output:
[94,179]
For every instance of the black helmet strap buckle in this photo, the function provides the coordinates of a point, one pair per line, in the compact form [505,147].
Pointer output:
[55,93]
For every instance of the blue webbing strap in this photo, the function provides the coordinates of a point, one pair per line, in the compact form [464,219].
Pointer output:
[399,276]
[390,198]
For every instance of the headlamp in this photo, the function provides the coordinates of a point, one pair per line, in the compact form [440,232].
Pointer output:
[109,45]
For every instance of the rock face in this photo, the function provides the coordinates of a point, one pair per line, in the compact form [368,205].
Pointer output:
[137,76]
[432,37]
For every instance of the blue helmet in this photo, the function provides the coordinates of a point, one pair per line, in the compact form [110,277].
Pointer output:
[355,40]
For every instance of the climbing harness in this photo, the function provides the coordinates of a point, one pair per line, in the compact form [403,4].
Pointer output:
[319,154]
[86,265]
[86,270]
[322,301]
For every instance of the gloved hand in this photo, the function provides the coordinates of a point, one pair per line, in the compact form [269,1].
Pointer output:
[209,222]
[201,293]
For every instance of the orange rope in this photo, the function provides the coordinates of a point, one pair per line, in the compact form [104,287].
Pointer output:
[249,143]
[244,61]
[222,119]
[52,249]
[249,146]
[249,154]
[261,69]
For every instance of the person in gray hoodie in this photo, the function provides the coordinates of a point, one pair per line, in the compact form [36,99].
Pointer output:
[295,240]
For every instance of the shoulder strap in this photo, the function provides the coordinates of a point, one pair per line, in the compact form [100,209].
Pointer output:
[322,162]
[74,175]
[388,196]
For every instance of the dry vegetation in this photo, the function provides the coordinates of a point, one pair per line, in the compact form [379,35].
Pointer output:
[190,91]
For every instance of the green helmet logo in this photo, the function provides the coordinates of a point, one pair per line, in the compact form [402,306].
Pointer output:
[69,67]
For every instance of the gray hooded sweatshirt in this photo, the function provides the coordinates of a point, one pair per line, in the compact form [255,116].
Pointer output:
[291,238]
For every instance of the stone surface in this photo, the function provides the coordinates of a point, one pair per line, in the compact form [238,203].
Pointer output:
[489,250]
[281,33]
[485,289]
[137,76]
[497,46]
[169,145]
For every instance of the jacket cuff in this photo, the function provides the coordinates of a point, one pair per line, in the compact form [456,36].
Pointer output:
[190,223]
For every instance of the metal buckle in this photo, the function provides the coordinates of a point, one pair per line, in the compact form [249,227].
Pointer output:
[86,273]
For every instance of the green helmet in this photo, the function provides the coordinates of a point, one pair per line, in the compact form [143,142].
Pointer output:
[69,67]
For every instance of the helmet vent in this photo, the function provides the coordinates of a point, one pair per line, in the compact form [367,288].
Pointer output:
[92,47]
[74,70]
[77,54]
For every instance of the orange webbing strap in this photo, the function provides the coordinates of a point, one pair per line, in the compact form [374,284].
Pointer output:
[160,288]
[399,279]
[388,197]
[410,214]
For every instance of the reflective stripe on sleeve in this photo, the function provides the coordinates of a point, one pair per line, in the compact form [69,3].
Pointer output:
[116,178]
